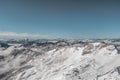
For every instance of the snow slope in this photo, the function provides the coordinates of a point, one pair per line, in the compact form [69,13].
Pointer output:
[92,61]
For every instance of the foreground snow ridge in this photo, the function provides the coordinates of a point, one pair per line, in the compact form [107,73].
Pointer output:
[60,61]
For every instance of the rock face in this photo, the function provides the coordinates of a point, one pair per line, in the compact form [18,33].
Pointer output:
[58,61]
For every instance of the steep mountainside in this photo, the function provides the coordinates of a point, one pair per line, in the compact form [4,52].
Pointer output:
[60,61]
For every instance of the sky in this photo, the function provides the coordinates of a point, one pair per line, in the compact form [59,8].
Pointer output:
[60,18]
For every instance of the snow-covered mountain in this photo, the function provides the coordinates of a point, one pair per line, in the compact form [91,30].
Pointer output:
[60,60]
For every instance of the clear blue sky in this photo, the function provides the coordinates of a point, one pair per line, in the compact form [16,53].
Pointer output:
[62,18]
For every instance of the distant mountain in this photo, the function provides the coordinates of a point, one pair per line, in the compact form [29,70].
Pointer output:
[59,59]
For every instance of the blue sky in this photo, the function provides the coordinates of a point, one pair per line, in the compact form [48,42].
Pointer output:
[61,18]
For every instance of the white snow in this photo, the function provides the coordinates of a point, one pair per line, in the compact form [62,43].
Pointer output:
[69,63]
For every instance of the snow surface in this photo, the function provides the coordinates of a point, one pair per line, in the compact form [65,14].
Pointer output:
[93,61]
